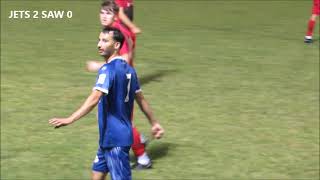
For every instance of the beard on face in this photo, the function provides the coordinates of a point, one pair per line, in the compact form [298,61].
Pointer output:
[106,53]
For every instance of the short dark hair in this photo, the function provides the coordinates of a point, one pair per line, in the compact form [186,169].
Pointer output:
[117,34]
[110,5]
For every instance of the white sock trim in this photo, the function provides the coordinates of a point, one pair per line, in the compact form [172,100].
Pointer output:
[308,37]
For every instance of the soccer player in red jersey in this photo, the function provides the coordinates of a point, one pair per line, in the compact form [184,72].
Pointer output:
[126,15]
[108,13]
[108,19]
[312,21]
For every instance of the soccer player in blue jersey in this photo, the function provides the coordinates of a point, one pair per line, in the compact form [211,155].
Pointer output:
[115,89]
[109,12]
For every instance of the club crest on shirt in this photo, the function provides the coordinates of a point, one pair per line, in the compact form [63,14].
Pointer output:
[101,79]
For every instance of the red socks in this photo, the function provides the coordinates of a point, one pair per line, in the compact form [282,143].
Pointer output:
[138,148]
[310,27]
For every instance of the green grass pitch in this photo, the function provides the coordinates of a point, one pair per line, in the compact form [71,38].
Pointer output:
[232,83]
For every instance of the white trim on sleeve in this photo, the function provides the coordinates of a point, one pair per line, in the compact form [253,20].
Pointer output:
[101,89]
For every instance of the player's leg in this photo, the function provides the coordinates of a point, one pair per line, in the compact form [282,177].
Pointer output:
[119,163]
[98,175]
[138,148]
[311,24]
[99,167]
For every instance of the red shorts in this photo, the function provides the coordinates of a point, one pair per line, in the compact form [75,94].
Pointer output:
[316,9]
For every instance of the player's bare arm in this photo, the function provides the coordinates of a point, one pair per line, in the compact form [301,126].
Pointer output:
[94,66]
[124,18]
[128,56]
[85,108]
[157,130]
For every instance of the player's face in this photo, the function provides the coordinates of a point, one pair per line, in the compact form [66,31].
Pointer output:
[106,45]
[106,17]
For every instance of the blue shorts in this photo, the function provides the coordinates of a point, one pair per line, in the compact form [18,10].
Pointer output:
[114,160]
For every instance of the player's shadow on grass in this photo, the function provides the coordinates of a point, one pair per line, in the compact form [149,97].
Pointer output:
[156,76]
[157,150]
[315,40]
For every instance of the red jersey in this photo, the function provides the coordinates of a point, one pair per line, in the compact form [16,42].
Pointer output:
[129,37]
[316,7]
[124,3]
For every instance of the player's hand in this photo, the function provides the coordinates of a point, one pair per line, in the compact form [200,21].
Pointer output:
[58,122]
[93,66]
[157,130]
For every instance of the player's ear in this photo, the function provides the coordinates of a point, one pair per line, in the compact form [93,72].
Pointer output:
[117,45]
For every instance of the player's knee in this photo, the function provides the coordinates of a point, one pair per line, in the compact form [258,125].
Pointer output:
[314,17]
[98,175]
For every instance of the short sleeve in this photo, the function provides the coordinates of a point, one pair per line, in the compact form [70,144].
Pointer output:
[136,84]
[103,80]
[121,3]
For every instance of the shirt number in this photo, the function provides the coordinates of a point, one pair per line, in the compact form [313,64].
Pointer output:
[128,88]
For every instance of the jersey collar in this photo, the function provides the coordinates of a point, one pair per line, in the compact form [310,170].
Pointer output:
[114,58]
